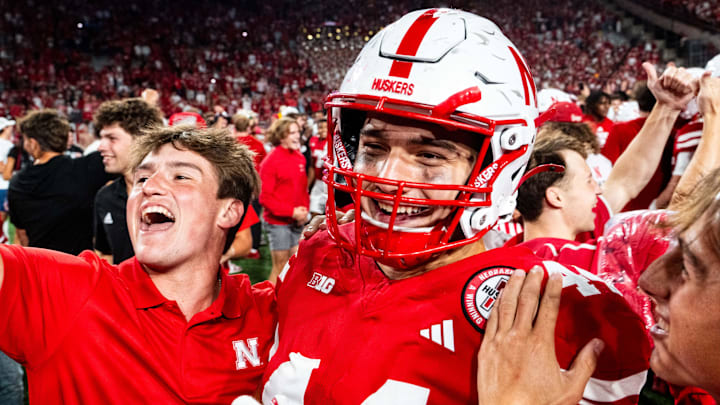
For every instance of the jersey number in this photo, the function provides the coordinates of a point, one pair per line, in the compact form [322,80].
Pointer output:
[288,383]
[582,281]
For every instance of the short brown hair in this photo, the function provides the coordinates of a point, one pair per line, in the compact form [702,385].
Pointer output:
[279,130]
[241,122]
[133,115]
[233,161]
[48,128]
[578,130]
[531,193]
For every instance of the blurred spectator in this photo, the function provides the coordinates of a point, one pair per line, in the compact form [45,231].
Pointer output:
[241,129]
[6,129]
[318,151]
[51,201]
[597,106]
[283,192]
[119,122]
[17,159]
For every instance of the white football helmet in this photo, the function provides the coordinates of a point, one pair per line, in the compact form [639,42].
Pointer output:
[450,68]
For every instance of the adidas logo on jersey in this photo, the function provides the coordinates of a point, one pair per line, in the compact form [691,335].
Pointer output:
[322,283]
[108,219]
[441,333]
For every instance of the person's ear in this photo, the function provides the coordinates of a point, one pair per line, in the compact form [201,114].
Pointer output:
[230,213]
[554,197]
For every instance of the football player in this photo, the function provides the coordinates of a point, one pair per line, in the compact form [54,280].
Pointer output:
[430,132]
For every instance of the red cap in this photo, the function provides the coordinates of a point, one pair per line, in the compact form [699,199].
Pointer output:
[562,111]
[187,118]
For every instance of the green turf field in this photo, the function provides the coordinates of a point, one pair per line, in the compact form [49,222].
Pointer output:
[257,269]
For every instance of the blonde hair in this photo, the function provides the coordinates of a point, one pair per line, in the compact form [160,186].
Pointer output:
[279,130]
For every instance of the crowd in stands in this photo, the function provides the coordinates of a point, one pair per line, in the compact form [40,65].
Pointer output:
[258,57]
[705,13]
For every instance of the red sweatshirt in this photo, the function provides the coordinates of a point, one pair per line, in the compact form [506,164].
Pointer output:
[284,185]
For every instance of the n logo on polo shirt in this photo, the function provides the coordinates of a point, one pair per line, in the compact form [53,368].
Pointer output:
[246,351]
[108,219]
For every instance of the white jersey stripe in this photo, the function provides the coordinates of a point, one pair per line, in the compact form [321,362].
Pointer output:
[448,335]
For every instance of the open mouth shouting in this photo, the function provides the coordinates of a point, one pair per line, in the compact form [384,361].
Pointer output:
[156,218]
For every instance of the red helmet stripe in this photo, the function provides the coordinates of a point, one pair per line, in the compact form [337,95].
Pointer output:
[526,77]
[411,43]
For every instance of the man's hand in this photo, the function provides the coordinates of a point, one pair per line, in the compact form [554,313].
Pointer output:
[517,362]
[318,223]
[675,87]
[151,96]
[300,215]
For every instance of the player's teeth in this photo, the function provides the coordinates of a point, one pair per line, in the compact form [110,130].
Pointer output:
[401,210]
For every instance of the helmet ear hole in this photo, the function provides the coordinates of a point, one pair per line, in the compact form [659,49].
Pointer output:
[511,139]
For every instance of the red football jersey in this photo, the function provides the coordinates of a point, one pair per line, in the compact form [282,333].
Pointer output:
[318,150]
[91,333]
[349,335]
[686,141]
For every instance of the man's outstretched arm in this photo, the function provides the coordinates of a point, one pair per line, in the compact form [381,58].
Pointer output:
[635,167]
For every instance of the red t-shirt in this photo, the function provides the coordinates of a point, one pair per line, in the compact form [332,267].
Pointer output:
[284,185]
[256,146]
[91,333]
[601,129]
[620,137]
[359,337]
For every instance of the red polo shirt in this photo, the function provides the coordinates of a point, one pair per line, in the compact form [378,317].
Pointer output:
[92,333]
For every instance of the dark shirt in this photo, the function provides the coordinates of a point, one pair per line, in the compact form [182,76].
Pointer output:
[53,201]
[111,232]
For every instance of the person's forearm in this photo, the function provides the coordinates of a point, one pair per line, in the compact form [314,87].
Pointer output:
[705,159]
[22,238]
[636,166]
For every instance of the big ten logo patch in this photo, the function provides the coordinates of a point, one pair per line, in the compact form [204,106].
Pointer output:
[480,293]
[322,283]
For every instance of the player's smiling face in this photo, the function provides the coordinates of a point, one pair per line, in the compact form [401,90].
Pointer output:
[685,285]
[400,150]
[173,209]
